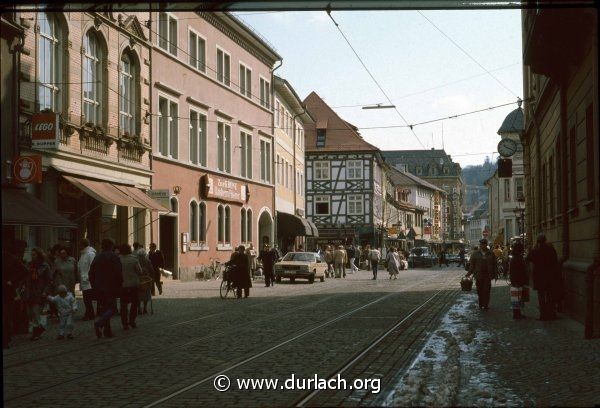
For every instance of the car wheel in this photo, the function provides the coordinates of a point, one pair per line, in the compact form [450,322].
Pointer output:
[278,279]
[311,279]
[292,280]
[322,278]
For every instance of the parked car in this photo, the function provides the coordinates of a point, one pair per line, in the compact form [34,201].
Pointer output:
[421,257]
[302,265]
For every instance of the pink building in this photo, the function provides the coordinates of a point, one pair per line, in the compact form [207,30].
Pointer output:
[212,137]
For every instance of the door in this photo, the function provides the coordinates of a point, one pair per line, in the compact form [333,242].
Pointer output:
[167,241]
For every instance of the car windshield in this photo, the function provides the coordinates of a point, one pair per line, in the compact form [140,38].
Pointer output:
[419,251]
[299,257]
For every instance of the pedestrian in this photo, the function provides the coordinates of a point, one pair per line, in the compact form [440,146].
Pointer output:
[357,257]
[268,258]
[145,290]
[374,256]
[158,263]
[546,276]
[518,280]
[393,263]
[482,266]
[442,258]
[339,261]
[300,248]
[461,257]
[351,252]
[64,270]
[239,273]
[131,270]
[106,279]
[14,274]
[66,305]
[329,261]
[252,255]
[38,284]
[86,257]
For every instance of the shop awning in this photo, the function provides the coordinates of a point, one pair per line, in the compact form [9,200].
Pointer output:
[21,208]
[109,193]
[314,228]
[290,225]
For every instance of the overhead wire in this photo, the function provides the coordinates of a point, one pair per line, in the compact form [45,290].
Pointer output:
[372,77]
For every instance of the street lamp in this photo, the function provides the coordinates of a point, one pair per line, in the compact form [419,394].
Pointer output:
[379,106]
[520,215]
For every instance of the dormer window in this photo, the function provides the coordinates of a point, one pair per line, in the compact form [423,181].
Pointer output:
[321,133]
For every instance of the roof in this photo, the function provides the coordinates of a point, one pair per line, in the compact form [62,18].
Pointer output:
[513,123]
[400,178]
[289,95]
[427,160]
[340,135]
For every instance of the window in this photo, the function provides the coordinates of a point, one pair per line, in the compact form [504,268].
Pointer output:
[354,169]
[589,137]
[246,154]
[265,93]
[49,63]
[92,77]
[265,161]
[355,204]
[227,224]
[197,52]
[167,127]
[245,81]
[243,235]
[223,67]
[128,85]
[224,224]
[224,147]
[167,33]
[197,138]
[519,193]
[321,133]
[419,170]
[322,205]
[193,221]
[301,188]
[278,171]
[321,170]
[277,113]
[287,174]
[507,189]
[551,185]
[249,224]
[202,222]
[573,162]
[281,114]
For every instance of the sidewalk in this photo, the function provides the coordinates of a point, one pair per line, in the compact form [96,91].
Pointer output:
[485,358]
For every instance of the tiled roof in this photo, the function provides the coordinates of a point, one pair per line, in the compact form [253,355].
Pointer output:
[340,135]
[400,178]
[428,160]
[513,123]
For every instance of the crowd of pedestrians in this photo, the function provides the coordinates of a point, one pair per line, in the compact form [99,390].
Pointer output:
[44,287]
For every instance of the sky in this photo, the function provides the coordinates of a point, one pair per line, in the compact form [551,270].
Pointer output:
[408,56]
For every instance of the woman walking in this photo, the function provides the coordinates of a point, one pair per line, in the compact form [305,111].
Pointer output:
[518,280]
[65,270]
[393,263]
[37,287]
[131,270]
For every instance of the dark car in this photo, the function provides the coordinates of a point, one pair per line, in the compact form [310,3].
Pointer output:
[421,257]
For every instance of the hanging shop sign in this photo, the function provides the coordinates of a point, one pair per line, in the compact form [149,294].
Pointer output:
[28,169]
[163,196]
[45,131]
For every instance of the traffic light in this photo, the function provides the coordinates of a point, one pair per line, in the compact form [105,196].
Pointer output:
[504,168]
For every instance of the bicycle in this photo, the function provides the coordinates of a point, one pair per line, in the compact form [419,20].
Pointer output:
[227,285]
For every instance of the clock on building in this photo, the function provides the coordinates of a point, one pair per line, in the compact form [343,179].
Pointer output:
[507,147]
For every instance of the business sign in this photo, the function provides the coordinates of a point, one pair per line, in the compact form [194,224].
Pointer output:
[223,189]
[427,230]
[162,196]
[45,131]
[28,169]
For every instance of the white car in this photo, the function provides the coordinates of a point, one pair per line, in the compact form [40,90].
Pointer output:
[302,265]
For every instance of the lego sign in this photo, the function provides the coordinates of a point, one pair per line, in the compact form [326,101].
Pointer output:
[28,169]
[45,131]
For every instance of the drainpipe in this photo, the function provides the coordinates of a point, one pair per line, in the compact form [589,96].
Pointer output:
[16,62]
[273,154]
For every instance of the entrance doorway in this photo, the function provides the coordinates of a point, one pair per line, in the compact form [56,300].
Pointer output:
[265,228]
[168,238]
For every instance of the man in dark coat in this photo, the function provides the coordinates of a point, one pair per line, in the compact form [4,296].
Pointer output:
[239,272]
[482,265]
[14,274]
[546,277]
[158,262]
[268,257]
[461,257]
[106,278]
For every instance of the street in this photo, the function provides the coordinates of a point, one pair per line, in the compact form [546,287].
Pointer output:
[171,359]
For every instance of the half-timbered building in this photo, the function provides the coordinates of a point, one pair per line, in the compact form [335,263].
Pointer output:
[345,186]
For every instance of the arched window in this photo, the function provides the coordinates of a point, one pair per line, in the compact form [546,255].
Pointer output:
[93,59]
[202,221]
[221,224]
[244,237]
[249,225]
[49,63]
[193,221]
[128,89]
[227,224]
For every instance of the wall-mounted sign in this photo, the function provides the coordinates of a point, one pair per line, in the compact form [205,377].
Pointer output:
[28,169]
[163,196]
[223,189]
[45,131]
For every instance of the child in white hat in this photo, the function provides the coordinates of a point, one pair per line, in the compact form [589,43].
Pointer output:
[66,305]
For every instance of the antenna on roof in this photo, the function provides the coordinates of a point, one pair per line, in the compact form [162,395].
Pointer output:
[432,144]
[442,135]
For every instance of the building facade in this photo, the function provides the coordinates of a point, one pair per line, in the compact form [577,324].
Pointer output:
[345,180]
[213,137]
[436,167]
[561,145]
[506,198]
[86,75]
[290,117]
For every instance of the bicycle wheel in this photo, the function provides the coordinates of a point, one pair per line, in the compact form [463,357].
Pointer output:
[225,289]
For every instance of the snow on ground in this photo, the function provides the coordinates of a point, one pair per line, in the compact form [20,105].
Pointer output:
[449,371]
